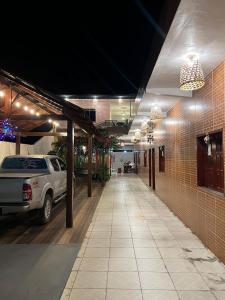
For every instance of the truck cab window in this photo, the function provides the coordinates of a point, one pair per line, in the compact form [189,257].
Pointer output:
[55,164]
[62,165]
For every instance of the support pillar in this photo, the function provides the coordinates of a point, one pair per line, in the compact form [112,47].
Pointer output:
[70,174]
[89,166]
[18,144]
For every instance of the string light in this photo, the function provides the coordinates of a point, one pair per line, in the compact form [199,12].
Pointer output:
[25,108]
[32,111]
[18,104]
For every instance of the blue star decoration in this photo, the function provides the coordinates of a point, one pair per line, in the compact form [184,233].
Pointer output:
[7,130]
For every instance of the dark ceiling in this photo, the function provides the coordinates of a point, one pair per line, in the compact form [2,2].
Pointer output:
[91,48]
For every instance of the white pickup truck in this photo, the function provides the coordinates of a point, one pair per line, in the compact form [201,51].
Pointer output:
[31,182]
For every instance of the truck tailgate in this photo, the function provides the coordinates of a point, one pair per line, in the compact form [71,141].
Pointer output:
[11,189]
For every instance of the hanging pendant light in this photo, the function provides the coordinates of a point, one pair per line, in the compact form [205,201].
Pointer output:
[156,113]
[191,74]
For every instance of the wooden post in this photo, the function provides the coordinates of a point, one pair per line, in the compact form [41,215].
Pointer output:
[89,166]
[70,174]
[18,144]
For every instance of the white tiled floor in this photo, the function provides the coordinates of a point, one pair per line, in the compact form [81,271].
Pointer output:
[136,248]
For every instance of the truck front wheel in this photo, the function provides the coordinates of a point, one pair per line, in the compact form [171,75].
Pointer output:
[46,211]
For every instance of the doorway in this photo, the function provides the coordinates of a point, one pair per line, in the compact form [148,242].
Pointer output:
[153,168]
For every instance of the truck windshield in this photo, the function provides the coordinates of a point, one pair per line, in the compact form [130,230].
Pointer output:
[24,163]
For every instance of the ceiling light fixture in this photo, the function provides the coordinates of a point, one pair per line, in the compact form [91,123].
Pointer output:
[156,113]
[18,104]
[25,108]
[191,74]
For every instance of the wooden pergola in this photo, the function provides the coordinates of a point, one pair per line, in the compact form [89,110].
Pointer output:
[29,107]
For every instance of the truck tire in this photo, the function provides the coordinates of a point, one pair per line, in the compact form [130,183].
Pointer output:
[46,211]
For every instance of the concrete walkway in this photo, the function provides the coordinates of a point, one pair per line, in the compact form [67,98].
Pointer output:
[136,248]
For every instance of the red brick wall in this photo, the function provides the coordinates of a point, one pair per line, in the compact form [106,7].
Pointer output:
[200,209]
[102,108]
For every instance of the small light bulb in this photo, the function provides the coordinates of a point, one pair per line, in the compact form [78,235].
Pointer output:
[37,114]
[32,111]
[18,104]
[25,108]
[2,94]
[50,121]
[120,100]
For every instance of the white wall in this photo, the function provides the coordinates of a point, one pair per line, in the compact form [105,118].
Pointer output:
[119,158]
[43,146]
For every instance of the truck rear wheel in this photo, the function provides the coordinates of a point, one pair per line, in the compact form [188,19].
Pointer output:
[46,211]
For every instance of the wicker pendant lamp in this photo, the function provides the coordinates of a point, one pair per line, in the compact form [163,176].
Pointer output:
[191,74]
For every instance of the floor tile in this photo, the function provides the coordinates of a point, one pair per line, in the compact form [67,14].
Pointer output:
[90,280]
[172,253]
[151,265]
[209,266]
[76,264]
[188,281]
[98,243]
[160,295]
[122,264]
[66,294]
[94,264]
[116,294]
[96,252]
[144,243]
[122,252]
[196,295]
[179,265]
[88,294]
[156,281]
[220,295]
[121,243]
[216,282]
[121,234]
[123,280]
[71,280]
[147,253]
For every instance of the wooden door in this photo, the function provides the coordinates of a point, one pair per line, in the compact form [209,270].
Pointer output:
[150,167]
[153,168]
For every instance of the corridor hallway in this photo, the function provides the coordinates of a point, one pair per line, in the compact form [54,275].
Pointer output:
[136,248]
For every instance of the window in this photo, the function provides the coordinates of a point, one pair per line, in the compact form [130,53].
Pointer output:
[24,163]
[91,113]
[162,159]
[55,164]
[210,168]
[62,165]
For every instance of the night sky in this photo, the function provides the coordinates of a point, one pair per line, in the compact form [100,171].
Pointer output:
[92,47]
